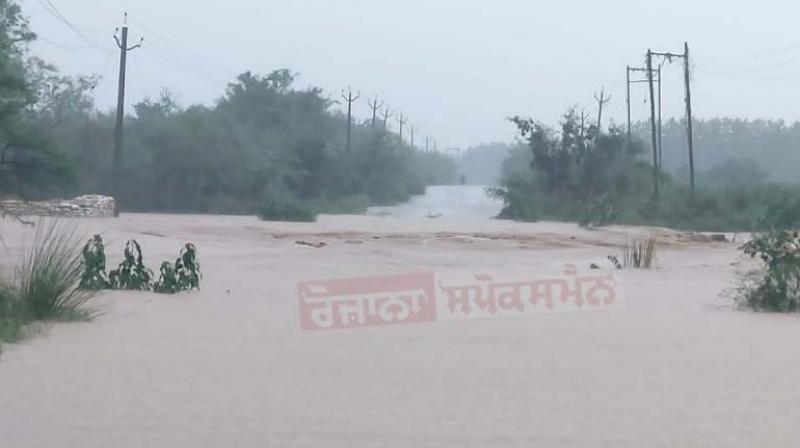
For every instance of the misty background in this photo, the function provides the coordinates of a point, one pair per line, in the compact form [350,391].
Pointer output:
[456,68]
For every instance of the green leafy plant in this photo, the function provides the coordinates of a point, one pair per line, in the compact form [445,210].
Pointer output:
[94,265]
[183,275]
[132,274]
[777,286]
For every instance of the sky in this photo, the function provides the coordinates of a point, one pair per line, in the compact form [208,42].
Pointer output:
[456,68]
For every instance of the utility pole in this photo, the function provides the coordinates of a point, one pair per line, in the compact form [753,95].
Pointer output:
[688,79]
[427,144]
[637,81]
[412,137]
[689,125]
[660,113]
[656,176]
[401,120]
[375,106]
[387,114]
[601,102]
[118,129]
[583,127]
[628,101]
[350,98]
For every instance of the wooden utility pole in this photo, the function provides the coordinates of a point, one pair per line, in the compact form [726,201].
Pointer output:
[350,98]
[375,106]
[656,176]
[688,79]
[120,122]
[601,102]
[401,120]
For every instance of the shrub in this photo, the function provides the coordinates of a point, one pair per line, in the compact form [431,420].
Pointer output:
[285,207]
[183,275]
[777,286]
[48,281]
[132,274]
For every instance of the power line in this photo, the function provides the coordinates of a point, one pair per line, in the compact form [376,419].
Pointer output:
[53,10]
[174,59]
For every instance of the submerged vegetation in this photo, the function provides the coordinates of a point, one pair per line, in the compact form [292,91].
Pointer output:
[46,286]
[636,254]
[581,175]
[132,274]
[776,286]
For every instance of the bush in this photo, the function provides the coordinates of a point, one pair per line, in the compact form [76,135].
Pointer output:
[183,275]
[132,274]
[777,286]
[48,281]
[285,207]
[94,265]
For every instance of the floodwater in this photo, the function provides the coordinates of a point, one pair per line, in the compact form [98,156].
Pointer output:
[228,366]
[447,202]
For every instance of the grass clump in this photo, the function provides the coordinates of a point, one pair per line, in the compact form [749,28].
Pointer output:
[776,286]
[636,254]
[46,285]
[11,322]
[48,281]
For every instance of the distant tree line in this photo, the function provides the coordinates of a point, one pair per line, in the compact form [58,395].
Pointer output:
[759,150]
[263,139]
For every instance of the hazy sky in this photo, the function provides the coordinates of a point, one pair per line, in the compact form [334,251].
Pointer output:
[457,68]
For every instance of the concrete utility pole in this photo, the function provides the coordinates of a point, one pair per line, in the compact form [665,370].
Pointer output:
[660,133]
[689,124]
[688,80]
[401,120]
[375,106]
[120,122]
[656,175]
[412,137]
[601,102]
[630,81]
[583,126]
[628,97]
[387,114]
[350,98]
